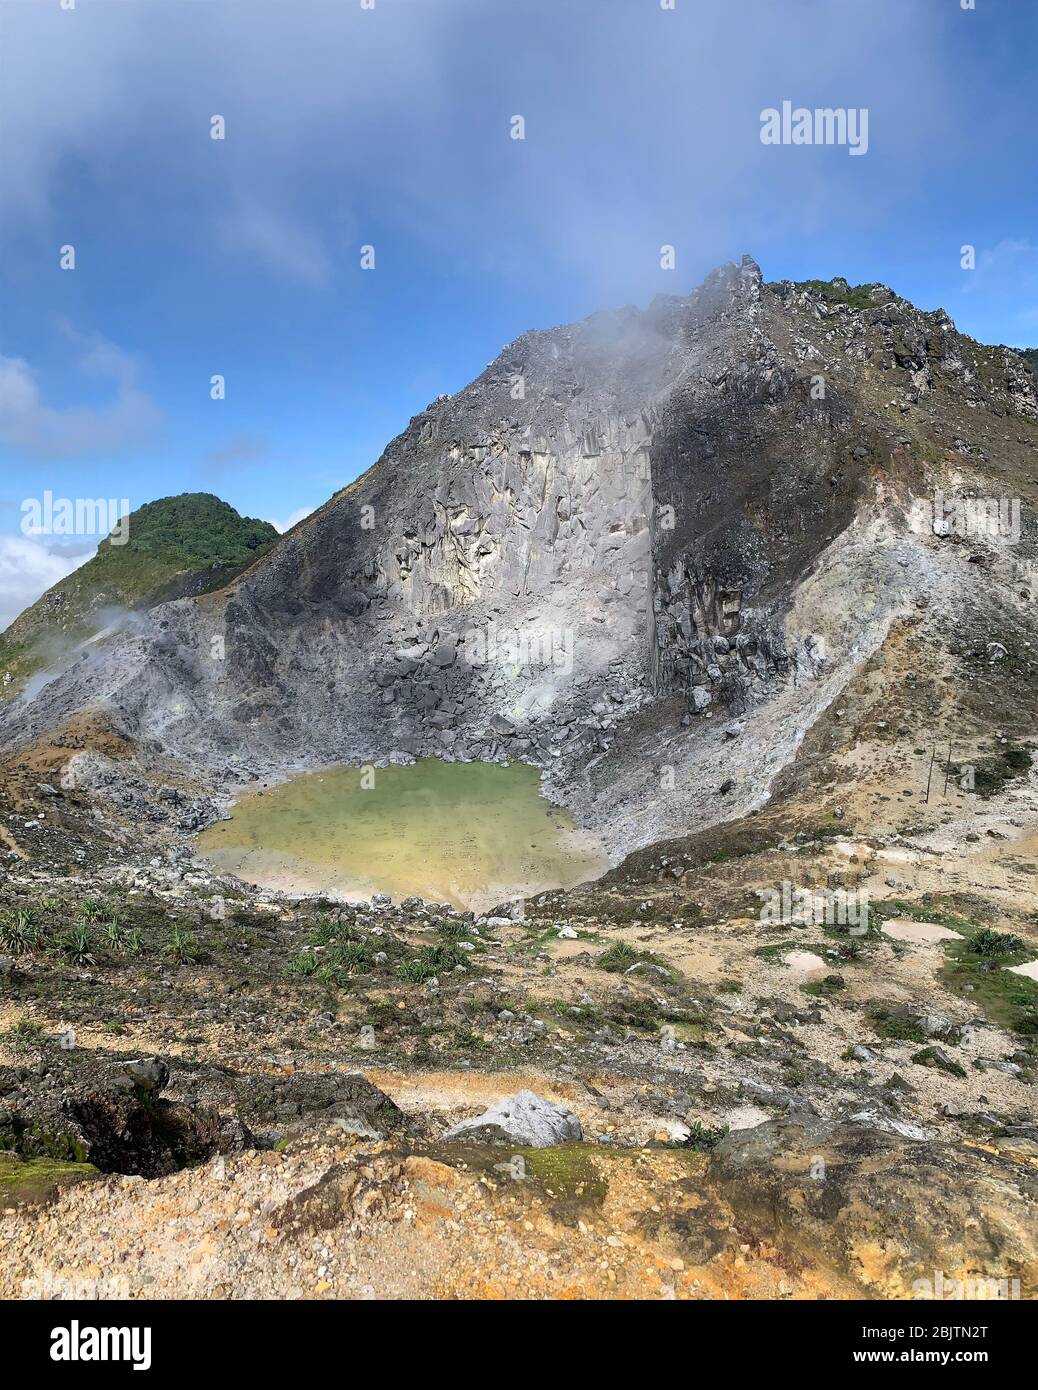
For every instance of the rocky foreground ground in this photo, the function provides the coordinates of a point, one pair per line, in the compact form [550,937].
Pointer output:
[206,1091]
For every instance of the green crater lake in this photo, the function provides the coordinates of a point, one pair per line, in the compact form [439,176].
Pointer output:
[470,834]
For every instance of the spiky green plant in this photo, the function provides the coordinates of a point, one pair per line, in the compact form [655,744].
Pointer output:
[416,970]
[351,955]
[619,957]
[702,1138]
[455,931]
[20,932]
[305,963]
[987,942]
[182,946]
[115,937]
[77,943]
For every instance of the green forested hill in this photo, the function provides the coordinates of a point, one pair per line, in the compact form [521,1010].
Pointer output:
[181,545]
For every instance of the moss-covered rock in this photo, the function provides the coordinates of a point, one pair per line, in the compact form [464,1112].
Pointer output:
[37,1179]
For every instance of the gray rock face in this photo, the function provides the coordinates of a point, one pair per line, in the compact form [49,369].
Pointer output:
[521,1119]
[479,591]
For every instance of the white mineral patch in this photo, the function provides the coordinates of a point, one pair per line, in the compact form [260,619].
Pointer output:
[919,933]
[746,1117]
[805,964]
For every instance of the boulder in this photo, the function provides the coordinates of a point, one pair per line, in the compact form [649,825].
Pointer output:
[521,1119]
[303,1100]
[150,1074]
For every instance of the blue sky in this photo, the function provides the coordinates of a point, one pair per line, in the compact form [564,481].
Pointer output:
[390,126]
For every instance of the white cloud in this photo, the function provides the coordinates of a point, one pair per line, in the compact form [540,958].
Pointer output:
[27,570]
[277,242]
[41,431]
[347,126]
[292,520]
[1008,268]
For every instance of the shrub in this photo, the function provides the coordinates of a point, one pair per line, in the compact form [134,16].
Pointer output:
[329,973]
[182,946]
[934,1057]
[19,933]
[854,296]
[114,936]
[26,1033]
[447,956]
[326,932]
[454,931]
[77,943]
[416,970]
[987,942]
[305,964]
[702,1138]
[619,957]
[351,955]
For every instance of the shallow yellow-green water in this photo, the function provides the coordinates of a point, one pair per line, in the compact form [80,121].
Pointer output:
[471,834]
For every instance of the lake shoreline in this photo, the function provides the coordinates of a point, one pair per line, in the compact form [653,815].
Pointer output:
[469,834]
